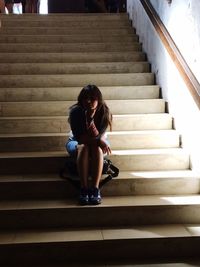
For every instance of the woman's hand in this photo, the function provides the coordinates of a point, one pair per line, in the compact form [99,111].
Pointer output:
[85,139]
[104,146]
[90,113]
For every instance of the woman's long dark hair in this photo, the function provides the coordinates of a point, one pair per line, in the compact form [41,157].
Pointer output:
[93,92]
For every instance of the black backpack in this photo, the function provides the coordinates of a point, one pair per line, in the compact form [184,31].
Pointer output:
[69,172]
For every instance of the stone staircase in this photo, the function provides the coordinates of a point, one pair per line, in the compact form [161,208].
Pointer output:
[150,209]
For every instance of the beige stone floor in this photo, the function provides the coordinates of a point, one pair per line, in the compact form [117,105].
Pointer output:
[62,235]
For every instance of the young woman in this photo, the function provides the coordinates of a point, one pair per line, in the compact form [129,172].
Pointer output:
[89,119]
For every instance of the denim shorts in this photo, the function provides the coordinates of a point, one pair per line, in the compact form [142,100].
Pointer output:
[71,147]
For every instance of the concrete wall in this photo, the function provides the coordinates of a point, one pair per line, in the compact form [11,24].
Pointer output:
[183,23]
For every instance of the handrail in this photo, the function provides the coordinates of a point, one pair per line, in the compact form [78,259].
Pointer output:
[185,71]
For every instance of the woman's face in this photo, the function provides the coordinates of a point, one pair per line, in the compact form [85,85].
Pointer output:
[90,103]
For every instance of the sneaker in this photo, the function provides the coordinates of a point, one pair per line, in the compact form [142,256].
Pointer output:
[83,197]
[95,196]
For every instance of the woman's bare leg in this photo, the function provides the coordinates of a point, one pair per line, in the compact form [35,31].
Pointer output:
[96,165]
[83,164]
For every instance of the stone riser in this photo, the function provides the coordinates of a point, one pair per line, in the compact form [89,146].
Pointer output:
[73,68]
[66,39]
[97,252]
[61,108]
[67,17]
[132,79]
[68,24]
[39,187]
[134,140]
[72,57]
[147,186]
[60,125]
[71,93]
[126,187]
[64,31]
[135,160]
[151,160]
[69,47]
[27,165]
[37,190]
[45,217]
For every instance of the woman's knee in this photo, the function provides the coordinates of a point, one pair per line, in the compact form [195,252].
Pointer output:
[83,149]
[96,151]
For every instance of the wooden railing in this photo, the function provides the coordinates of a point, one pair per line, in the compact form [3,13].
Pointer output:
[185,71]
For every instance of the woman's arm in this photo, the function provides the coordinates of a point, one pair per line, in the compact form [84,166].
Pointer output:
[77,123]
[77,120]
[103,144]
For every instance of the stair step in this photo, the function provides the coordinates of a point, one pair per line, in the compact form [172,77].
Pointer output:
[58,124]
[55,246]
[126,160]
[64,30]
[138,183]
[118,140]
[70,24]
[143,139]
[73,68]
[31,38]
[71,93]
[72,57]
[132,210]
[135,183]
[61,108]
[69,47]
[148,211]
[151,159]
[67,17]
[142,122]
[114,79]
